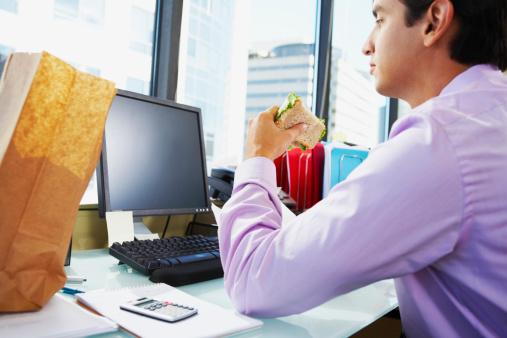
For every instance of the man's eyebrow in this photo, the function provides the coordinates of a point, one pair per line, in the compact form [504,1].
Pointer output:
[377,9]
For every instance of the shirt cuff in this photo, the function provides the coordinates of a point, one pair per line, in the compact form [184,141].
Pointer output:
[256,169]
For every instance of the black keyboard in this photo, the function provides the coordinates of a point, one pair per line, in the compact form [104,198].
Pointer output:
[174,261]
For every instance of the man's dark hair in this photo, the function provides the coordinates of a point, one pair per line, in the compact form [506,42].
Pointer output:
[482,36]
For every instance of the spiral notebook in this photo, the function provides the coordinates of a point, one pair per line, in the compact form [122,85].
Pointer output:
[210,321]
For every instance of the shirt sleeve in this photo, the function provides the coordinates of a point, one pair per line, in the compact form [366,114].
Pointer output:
[398,212]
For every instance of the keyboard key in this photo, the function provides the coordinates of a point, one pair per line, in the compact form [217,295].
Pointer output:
[196,257]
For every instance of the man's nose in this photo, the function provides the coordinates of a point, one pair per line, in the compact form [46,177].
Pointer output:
[368,47]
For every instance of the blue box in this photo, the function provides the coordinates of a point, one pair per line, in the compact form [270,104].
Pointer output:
[340,160]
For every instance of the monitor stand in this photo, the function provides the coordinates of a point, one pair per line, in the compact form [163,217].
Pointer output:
[141,231]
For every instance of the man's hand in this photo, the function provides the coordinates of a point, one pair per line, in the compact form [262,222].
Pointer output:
[265,139]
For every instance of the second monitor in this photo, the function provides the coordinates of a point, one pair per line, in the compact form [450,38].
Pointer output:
[153,160]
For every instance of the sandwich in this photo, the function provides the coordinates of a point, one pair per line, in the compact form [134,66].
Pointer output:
[293,112]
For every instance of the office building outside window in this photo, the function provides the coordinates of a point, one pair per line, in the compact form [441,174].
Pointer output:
[212,72]
[233,57]
[141,30]
[66,9]
[357,113]
[271,76]
[86,11]
[92,35]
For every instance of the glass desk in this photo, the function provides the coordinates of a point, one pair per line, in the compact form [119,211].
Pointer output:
[339,317]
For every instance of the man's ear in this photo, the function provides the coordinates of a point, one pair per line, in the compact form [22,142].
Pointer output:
[438,21]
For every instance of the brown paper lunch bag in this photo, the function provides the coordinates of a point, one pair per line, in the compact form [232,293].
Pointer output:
[52,119]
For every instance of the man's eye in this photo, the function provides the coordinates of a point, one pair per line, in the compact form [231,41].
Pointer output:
[379,21]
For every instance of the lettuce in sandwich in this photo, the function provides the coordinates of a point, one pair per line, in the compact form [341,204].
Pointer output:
[293,112]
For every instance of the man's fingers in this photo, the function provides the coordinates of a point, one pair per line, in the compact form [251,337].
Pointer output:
[296,130]
[269,113]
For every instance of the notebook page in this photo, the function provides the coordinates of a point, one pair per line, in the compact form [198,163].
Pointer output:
[58,318]
[210,321]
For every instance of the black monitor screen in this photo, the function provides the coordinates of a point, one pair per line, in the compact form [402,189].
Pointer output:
[153,160]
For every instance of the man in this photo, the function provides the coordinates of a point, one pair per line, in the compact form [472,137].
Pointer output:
[428,207]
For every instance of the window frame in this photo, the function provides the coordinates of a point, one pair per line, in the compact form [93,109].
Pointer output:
[323,47]
[166,49]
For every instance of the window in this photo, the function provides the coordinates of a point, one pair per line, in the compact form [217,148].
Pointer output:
[92,11]
[192,48]
[136,85]
[92,35]
[9,5]
[4,51]
[209,141]
[92,70]
[141,30]
[357,113]
[87,11]
[66,9]
[236,60]
[403,109]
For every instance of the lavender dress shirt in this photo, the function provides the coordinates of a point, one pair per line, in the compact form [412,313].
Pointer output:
[428,208]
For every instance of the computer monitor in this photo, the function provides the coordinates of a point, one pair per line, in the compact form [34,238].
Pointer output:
[153,160]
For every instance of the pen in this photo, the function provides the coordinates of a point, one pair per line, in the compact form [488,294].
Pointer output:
[75,279]
[70,291]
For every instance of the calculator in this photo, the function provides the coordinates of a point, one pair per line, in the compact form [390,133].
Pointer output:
[163,310]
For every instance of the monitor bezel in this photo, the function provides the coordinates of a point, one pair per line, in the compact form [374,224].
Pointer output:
[104,202]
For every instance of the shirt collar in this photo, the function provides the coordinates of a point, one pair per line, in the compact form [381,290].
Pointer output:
[468,78]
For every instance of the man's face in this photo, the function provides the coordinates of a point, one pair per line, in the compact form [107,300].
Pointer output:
[393,48]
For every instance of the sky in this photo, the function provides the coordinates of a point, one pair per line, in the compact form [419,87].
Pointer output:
[275,22]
